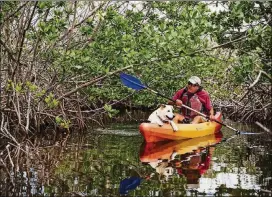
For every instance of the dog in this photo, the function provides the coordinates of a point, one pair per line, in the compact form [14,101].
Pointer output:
[164,114]
[162,168]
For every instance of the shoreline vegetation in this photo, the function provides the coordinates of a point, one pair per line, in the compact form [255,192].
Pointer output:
[60,63]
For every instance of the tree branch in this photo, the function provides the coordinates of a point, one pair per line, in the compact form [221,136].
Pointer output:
[93,81]
[263,127]
[12,14]
[10,53]
[69,30]
[258,78]
[199,51]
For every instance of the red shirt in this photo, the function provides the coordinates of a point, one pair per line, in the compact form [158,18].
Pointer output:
[202,95]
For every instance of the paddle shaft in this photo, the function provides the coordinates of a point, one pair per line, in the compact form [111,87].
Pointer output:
[134,83]
[185,106]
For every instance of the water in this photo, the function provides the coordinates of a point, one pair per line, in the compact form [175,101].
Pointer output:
[95,164]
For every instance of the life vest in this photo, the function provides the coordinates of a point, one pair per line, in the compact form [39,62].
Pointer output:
[192,102]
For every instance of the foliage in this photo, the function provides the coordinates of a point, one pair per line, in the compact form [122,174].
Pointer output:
[62,122]
[251,20]
[51,101]
[66,45]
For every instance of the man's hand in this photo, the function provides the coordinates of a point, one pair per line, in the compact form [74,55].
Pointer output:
[212,117]
[178,102]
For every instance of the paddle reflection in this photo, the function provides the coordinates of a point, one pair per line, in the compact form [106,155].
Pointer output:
[189,158]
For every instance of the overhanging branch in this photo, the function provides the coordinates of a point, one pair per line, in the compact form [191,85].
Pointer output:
[93,81]
[198,51]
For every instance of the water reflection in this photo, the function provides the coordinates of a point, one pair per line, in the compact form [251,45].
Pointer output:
[95,165]
[211,165]
[189,158]
[128,184]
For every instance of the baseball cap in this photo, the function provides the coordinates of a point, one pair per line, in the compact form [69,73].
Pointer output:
[195,80]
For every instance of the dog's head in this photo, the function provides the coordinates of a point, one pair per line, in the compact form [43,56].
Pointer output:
[165,112]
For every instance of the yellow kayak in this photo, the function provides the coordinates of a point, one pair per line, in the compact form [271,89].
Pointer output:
[154,132]
[164,149]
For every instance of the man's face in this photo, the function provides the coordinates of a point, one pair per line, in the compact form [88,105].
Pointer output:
[193,87]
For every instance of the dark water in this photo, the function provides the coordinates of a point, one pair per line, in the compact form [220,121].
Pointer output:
[96,163]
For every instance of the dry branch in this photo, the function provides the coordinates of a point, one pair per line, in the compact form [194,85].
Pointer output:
[93,81]
[13,13]
[258,78]
[11,55]
[263,127]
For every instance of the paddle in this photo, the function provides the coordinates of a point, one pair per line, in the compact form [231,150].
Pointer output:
[134,83]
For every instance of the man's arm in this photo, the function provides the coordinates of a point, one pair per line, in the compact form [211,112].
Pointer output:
[171,102]
[212,114]
[177,103]
[176,98]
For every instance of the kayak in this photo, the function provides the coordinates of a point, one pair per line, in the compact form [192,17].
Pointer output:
[153,132]
[163,150]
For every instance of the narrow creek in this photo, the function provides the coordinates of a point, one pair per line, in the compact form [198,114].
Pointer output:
[101,161]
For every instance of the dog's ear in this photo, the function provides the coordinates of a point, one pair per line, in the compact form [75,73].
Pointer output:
[163,106]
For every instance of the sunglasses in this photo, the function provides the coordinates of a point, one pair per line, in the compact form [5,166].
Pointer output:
[194,85]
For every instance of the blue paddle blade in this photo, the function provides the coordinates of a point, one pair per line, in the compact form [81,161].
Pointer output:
[131,82]
[129,184]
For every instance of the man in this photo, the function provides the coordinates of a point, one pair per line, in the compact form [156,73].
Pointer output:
[194,97]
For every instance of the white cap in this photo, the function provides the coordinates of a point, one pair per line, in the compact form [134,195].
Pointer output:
[195,80]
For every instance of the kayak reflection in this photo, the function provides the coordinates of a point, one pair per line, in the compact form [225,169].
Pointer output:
[190,158]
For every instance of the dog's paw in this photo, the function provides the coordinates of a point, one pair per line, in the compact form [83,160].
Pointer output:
[173,155]
[174,126]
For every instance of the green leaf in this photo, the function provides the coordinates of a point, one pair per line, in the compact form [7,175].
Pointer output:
[18,87]
[58,119]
